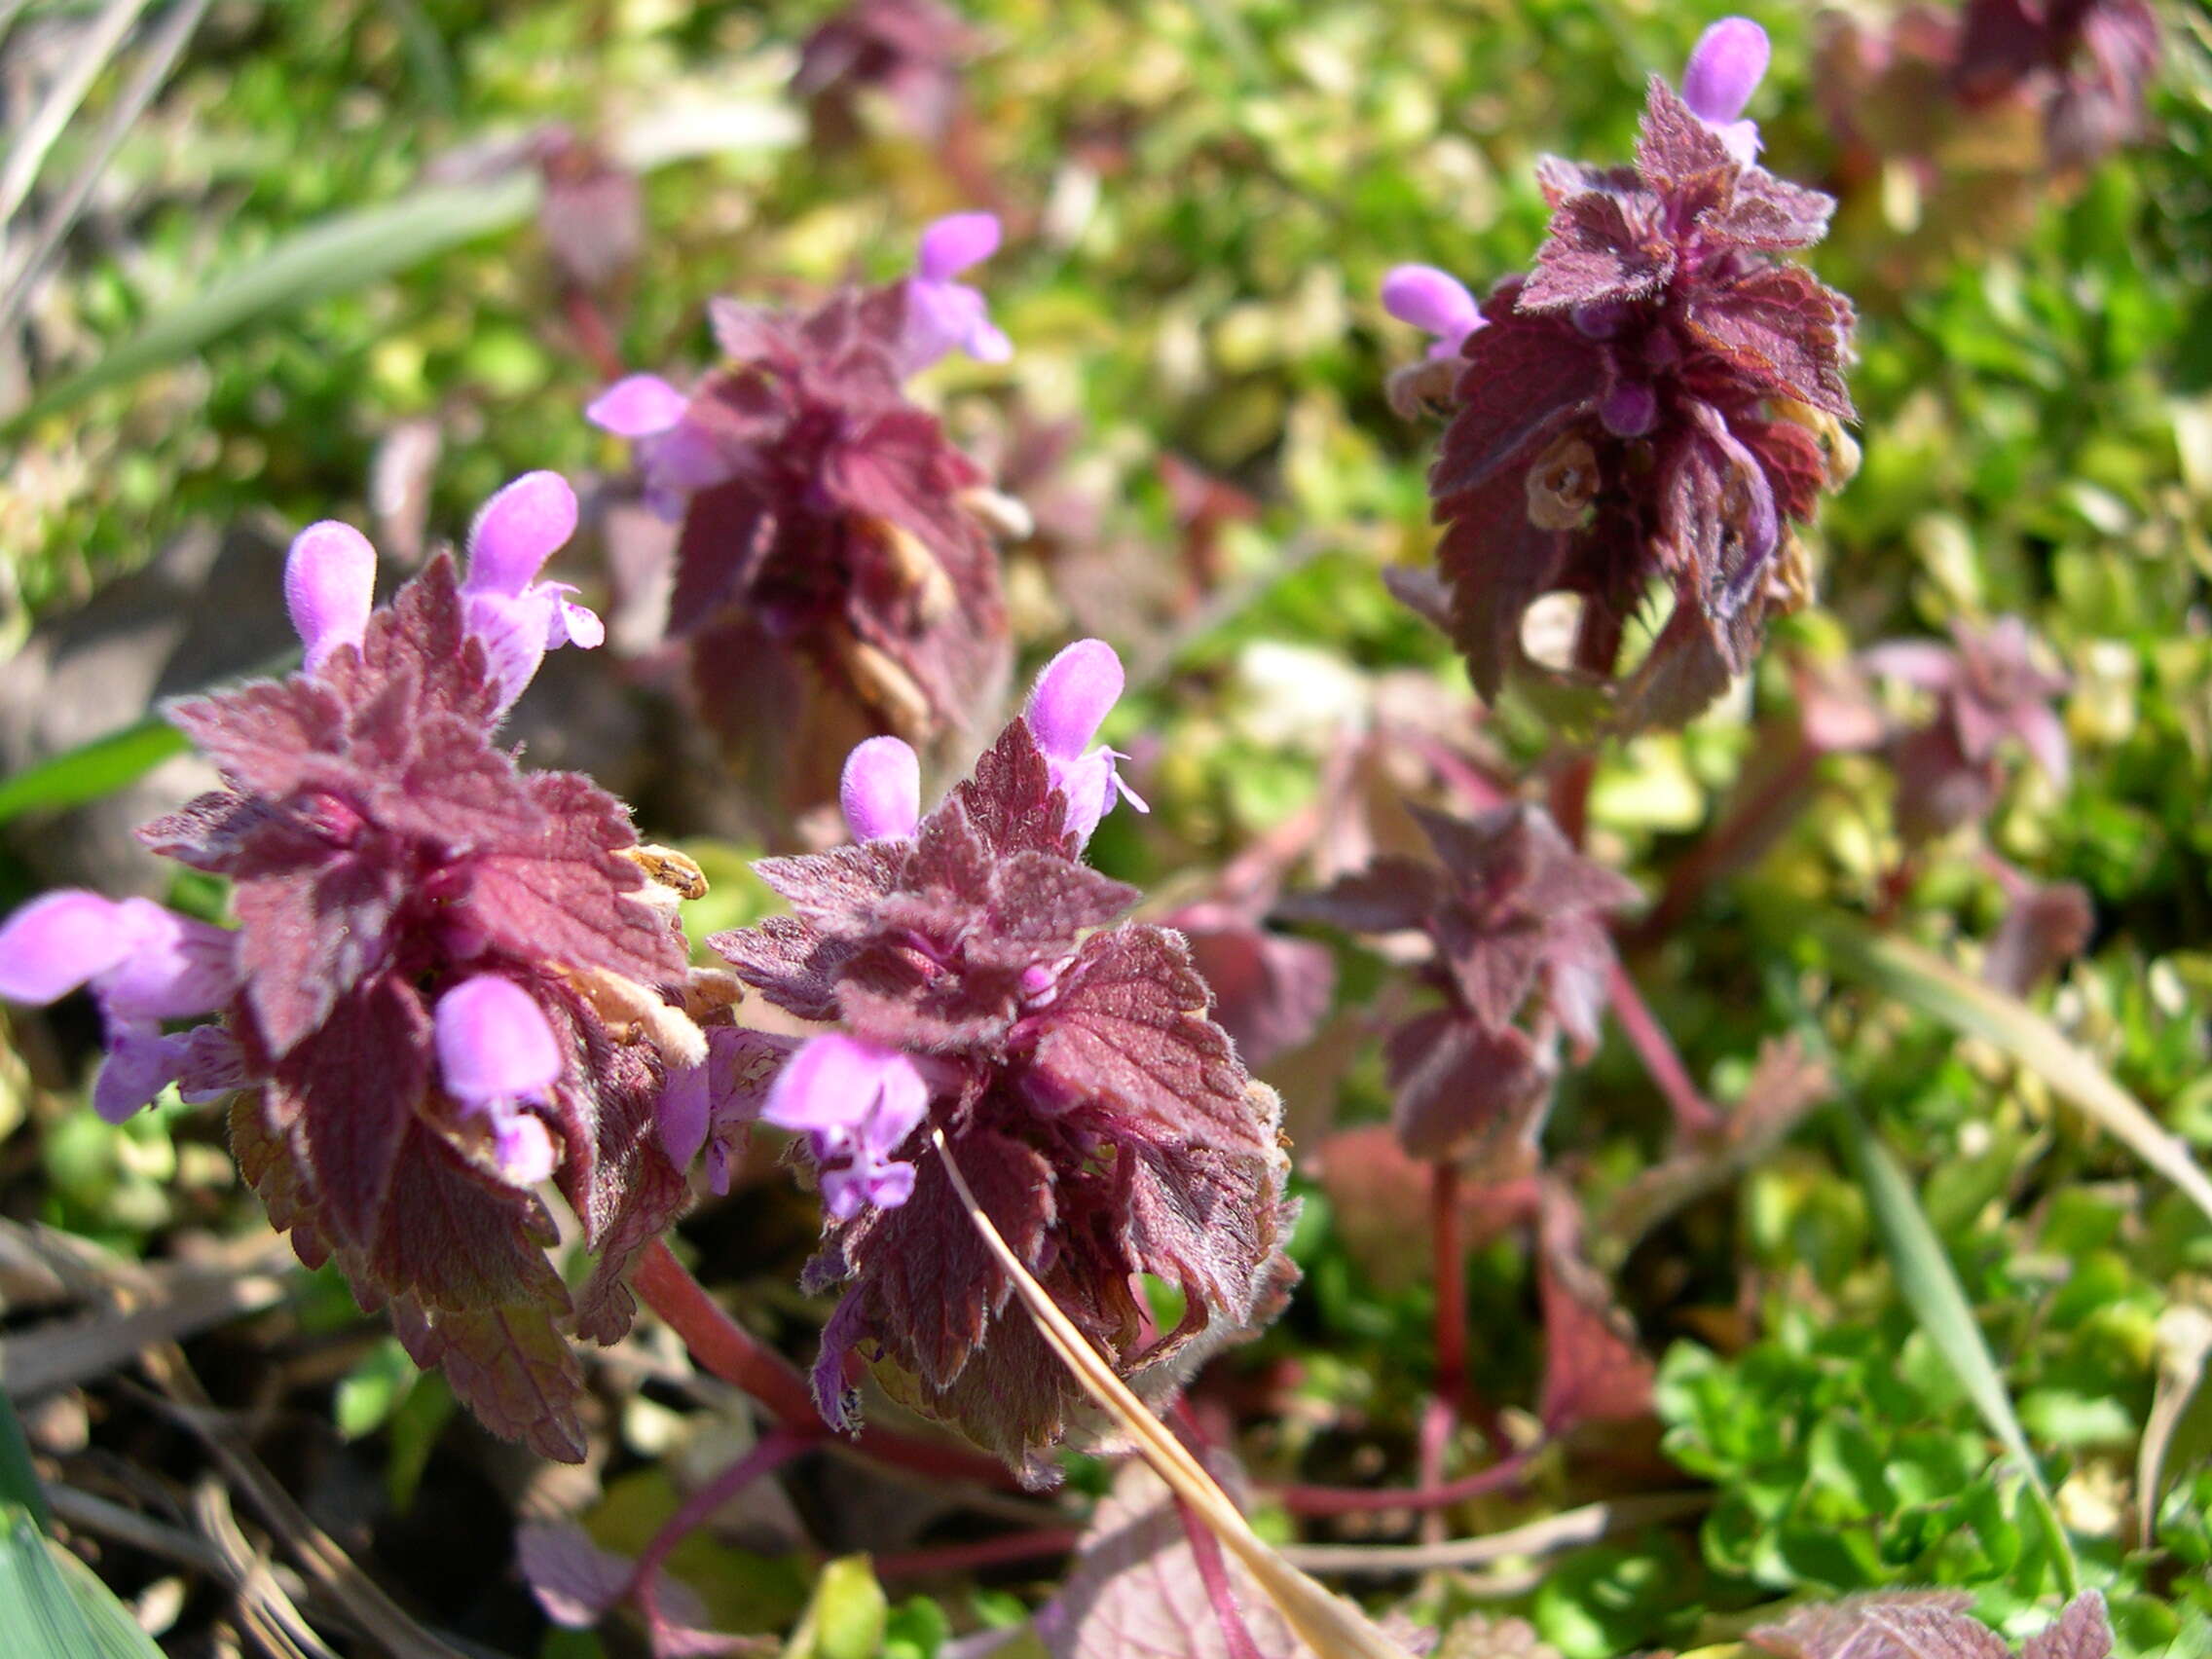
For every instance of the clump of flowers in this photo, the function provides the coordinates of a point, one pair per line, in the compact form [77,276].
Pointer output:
[1514,922]
[837,573]
[1648,410]
[983,986]
[448,982]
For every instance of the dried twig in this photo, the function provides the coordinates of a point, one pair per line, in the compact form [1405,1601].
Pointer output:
[1563,1531]
[328,1569]
[1326,1623]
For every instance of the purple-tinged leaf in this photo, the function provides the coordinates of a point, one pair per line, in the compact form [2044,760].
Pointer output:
[1135,1591]
[1129,1035]
[2082,1631]
[1594,1371]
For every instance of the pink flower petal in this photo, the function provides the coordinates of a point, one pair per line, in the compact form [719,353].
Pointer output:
[495,1042]
[58,943]
[175,967]
[954,242]
[517,530]
[1724,69]
[835,1084]
[139,1065]
[330,579]
[1433,301]
[1917,662]
[513,632]
[881,791]
[1073,696]
[638,406]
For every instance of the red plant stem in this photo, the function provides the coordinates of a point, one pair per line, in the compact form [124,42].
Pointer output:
[768,1454]
[984,1552]
[1570,795]
[1367,1501]
[1694,1114]
[1440,1416]
[728,1350]
[1213,1572]
[1749,829]
[595,337]
[1596,650]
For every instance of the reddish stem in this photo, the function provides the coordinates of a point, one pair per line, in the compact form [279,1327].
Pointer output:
[1694,1114]
[728,1350]
[1570,795]
[1751,826]
[1596,652]
[1440,1416]
[1366,1500]
[1213,1572]
[779,1448]
[595,337]
[984,1552]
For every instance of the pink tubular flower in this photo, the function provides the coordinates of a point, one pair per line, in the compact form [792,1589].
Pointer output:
[676,456]
[143,965]
[1436,302]
[943,316]
[518,617]
[856,1102]
[1072,698]
[330,577]
[497,1053]
[882,790]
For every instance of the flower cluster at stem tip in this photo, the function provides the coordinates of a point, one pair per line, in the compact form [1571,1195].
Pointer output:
[146,965]
[1723,71]
[857,1100]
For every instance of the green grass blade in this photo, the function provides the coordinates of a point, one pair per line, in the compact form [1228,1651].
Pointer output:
[359,247]
[91,770]
[1933,986]
[328,258]
[19,1481]
[1939,1302]
[53,1607]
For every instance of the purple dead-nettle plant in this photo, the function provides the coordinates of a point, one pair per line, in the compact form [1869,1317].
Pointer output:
[983,984]
[906,52]
[1513,922]
[450,980]
[837,573]
[1990,691]
[1641,419]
